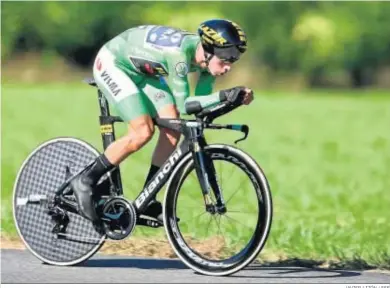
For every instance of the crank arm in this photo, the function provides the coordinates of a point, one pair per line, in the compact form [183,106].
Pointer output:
[148,223]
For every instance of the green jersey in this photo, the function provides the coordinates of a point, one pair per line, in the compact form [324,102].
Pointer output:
[163,53]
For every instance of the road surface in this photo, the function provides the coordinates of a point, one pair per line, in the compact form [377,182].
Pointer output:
[20,266]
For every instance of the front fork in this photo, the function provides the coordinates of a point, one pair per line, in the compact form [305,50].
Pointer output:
[206,173]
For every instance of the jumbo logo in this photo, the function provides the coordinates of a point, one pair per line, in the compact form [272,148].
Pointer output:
[211,33]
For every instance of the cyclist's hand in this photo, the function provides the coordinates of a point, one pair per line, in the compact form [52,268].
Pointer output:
[237,95]
[233,95]
[248,97]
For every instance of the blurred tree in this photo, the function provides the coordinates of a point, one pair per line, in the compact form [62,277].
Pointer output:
[313,38]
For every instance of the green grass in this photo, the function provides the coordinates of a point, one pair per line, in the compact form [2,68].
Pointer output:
[326,155]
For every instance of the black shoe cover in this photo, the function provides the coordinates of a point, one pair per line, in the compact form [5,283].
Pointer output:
[82,190]
[154,210]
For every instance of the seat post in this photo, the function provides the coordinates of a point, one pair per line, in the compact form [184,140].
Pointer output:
[106,122]
[108,135]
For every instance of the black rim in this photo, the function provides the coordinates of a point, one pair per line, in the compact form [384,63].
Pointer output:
[253,241]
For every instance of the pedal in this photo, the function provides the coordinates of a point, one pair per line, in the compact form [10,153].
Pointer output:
[149,223]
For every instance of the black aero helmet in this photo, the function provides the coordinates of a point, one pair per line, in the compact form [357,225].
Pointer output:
[222,38]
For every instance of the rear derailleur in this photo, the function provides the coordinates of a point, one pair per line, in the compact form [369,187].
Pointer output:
[60,219]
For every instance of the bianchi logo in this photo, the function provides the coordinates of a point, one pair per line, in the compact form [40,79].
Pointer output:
[181,69]
[163,172]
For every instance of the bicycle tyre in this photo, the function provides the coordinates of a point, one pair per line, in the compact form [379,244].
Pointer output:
[193,259]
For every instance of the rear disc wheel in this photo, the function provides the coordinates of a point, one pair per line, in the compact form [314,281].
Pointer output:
[44,170]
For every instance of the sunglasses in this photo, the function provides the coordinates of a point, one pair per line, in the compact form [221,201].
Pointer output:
[228,55]
[230,60]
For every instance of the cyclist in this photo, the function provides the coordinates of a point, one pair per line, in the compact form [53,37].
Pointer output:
[130,71]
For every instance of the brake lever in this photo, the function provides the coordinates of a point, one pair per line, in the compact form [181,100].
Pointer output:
[242,128]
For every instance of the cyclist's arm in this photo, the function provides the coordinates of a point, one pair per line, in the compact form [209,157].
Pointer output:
[205,84]
[203,91]
[179,84]
[178,81]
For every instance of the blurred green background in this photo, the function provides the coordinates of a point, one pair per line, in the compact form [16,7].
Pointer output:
[319,123]
[302,43]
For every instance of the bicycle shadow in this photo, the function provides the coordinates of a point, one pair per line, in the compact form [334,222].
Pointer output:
[298,265]
[287,272]
[296,268]
[140,263]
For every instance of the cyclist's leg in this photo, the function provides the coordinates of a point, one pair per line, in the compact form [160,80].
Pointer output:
[128,100]
[164,104]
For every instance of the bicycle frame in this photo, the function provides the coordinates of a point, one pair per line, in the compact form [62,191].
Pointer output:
[194,142]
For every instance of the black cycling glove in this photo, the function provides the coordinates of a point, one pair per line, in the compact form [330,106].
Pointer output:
[233,95]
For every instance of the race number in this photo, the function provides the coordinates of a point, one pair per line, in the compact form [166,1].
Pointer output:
[166,36]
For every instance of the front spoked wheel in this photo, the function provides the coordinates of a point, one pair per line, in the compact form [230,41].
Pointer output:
[219,242]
